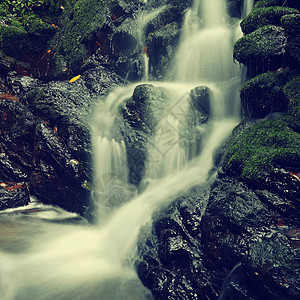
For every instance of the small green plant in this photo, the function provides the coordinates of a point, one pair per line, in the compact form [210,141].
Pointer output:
[23,10]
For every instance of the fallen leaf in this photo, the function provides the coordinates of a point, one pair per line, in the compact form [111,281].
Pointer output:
[9,97]
[74,78]
[280,222]
[297,176]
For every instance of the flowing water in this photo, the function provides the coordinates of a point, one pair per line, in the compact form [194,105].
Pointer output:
[47,260]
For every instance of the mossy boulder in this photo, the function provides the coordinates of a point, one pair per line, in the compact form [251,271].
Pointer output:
[79,21]
[285,3]
[267,144]
[265,16]
[264,94]
[25,43]
[292,92]
[291,25]
[262,50]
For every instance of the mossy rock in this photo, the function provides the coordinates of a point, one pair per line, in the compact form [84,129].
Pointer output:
[267,144]
[264,94]
[79,22]
[283,3]
[292,92]
[262,50]
[265,16]
[291,25]
[25,43]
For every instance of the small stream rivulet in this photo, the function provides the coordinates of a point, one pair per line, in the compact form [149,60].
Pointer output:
[49,260]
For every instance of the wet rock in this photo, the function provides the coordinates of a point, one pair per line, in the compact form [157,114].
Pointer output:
[13,195]
[57,178]
[200,99]
[167,16]
[179,5]
[6,66]
[262,50]
[273,266]
[141,114]
[162,45]
[170,263]
[17,128]
[234,8]
[144,109]
[238,227]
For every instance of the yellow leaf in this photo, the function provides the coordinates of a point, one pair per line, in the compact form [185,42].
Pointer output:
[74,78]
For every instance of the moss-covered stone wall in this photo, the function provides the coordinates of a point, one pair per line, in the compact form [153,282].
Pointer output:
[271,99]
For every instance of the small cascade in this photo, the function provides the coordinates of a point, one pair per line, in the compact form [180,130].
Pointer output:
[247,7]
[143,19]
[111,187]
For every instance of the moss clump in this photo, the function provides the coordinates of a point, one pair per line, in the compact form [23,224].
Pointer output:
[80,21]
[292,92]
[265,16]
[291,25]
[262,50]
[264,94]
[283,3]
[14,40]
[269,143]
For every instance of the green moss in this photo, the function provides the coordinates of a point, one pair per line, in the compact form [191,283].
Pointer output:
[264,94]
[265,16]
[292,92]
[14,40]
[269,143]
[262,50]
[291,25]
[285,3]
[80,21]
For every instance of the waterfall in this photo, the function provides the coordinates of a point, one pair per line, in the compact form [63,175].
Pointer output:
[94,262]
[142,21]
[247,7]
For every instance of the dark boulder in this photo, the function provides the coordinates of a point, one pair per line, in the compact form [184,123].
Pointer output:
[170,257]
[234,8]
[141,115]
[57,177]
[17,127]
[13,195]
[241,230]
[200,100]
[162,45]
